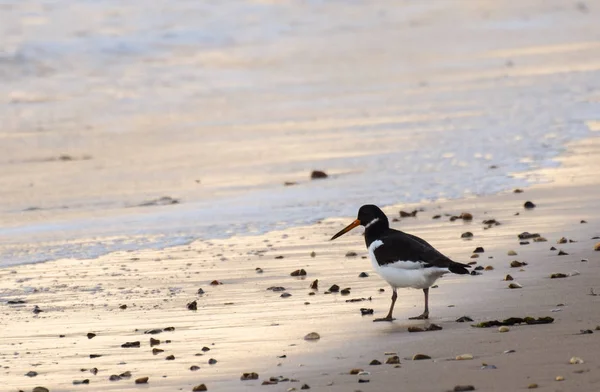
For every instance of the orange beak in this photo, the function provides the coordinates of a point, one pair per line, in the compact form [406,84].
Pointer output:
[346,229]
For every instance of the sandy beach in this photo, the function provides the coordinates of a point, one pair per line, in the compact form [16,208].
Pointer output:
[248,328]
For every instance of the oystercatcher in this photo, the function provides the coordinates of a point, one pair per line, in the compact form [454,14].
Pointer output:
[402,259]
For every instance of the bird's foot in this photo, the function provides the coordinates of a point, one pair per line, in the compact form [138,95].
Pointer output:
[388,318]
[423,316]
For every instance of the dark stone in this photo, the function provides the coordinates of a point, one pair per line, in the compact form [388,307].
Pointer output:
[466,234]
[169,329]
[366,311]
[304,386]
[95,356]
[363,275]
[199,388]
[285,295]
[276,288]
[479,268]
[529,205]
[436,217]
[156,351]
[170,358]
[153,331]
[464,388]
[463,319]
[479,249]
[142,380]
[558,276]
[212,361]
[561,253]
[205,349]
[79,382]
[192,305]
[249,376]
[314,285]
[345,291]
[527,235]
[279,257]
[298,272]
[318,174]
[193,368]
[375,362]
[335,288]
[122,307]
[131,344]
[31,373]
[91,335]
[351,254]
[154,342]
[200,291]
[15,302]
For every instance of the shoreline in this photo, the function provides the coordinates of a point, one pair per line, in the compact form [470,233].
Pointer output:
[251,326]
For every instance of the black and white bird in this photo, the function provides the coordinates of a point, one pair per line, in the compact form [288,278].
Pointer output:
[402,259]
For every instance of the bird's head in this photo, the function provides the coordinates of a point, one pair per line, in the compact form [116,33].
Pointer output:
[369,215]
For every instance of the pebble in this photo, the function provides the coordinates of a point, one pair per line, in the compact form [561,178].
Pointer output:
[318,174]
[463,319]
[558,276]
[559,378]
[464,388]
[131,344]
[215,283]
[258,271]
[529,205]
[157,351]
[393,360]
[91,335]
[314,285]
[466,216]
[79,382]
[351,254]
[575,361]
[420,357]
[199,388]
[479,249]
[154,342]
[509,352]
[464,357]
[334,288]
[375,362]
[345,291]
[298,272]
[515,286]
[532,386]
[193,368]
[200,291]
[212,361]
[517,264]
[40,389]
[285,295]
[312,336]
[305,386]
[366,311]
[508,278]
[512,253]
[503,328]
[141,380]
[356,371]
[489,268]
[278,257]
[466,234]
[249,376]
[31,373]
[170,358]
[562,253]
[363,275]
[597,246]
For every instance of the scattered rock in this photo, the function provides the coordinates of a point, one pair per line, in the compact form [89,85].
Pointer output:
[518,190]
[215,283]
[375,362]
[524,243]
[463,319]
[514,321]
[356,371]
[515,286]
[170,358]
[345,291]
[597,247]
[92,356]
[278,257]
[512,253]
[503,328]
[489,268]
[420,357]
[91,335]
[466,216]
[585,332]
[194,368]
[464,357]
[318,174]
[552,248]
[205,349]
[315,284]
[334,289]
[563,240]
[305,386]
[527,235]
[575,361]
[479,268]
[130,344]
[199,388]
[276,288]
[529,205]
[464,388]
[36,309]
[312,336]
[508,278]
[79,382]
[431,327]
[559,378]
[313,254]
[212,361]
[479,249]
[558,276]
[366,311]
[540,239]
[156,351]
[404,214]
[532,386]
[298,272]
[475,256]
[122,307]
[258,270]
[466,234]
[436,217]
[285,295]
[562,253]
[393,360]
[363,275]
[40,389]
[31,373]
[351,254]
[517,264]
[249,376]
[290,183]
[141,380]
[192,305]
[163,201]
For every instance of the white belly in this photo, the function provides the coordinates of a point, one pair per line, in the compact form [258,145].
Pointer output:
[405,273]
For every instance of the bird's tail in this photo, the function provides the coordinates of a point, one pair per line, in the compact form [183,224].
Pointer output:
[458,268]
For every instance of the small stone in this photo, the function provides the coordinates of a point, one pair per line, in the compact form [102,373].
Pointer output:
[154,342]
[31,373]
[141,380]
[200,291]
[157,351]
[509,352]
[315,284]
[192,305]
[575,361]
[436,217]
[532,386]
[527,235]
[345,291]
[258,271]
[91,335]
[393,360]
[466,216]
[464,357]
[478,268]
[479,249]
[92,356]
[318,174]
[199,388]
[299,272]
[170,358]
[114,377]
[529,205]
[80,382]
[562,253]
[515,286]
[517,264]
[563,240]
[518,190]
[375,362]
[313,254]
[363,275]
[312,336]
[524,243]
[285,295]
[503,328]
[464,319]
[249,376]
[305,386]
[466,234]
[366,311]
[212,361]
[559,378]
[508,278]
[351,254]
[512,253]
[335,288]
[215,283]
[420,357]
[489,268]
[40,389]
[540,239]
[464,388]
[126,374]
[355,371]
[193,368]
[131,344]
[276,288]
[278,257]
[404,214]
[558,276]
[475,256]
[597,247]
[552,248]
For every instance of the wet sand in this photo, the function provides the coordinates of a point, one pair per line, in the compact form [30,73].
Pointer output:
[248,328]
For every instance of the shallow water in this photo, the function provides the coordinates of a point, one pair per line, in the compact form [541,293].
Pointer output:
[218,103]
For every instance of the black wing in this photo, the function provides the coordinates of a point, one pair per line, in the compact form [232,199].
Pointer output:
[400,246]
